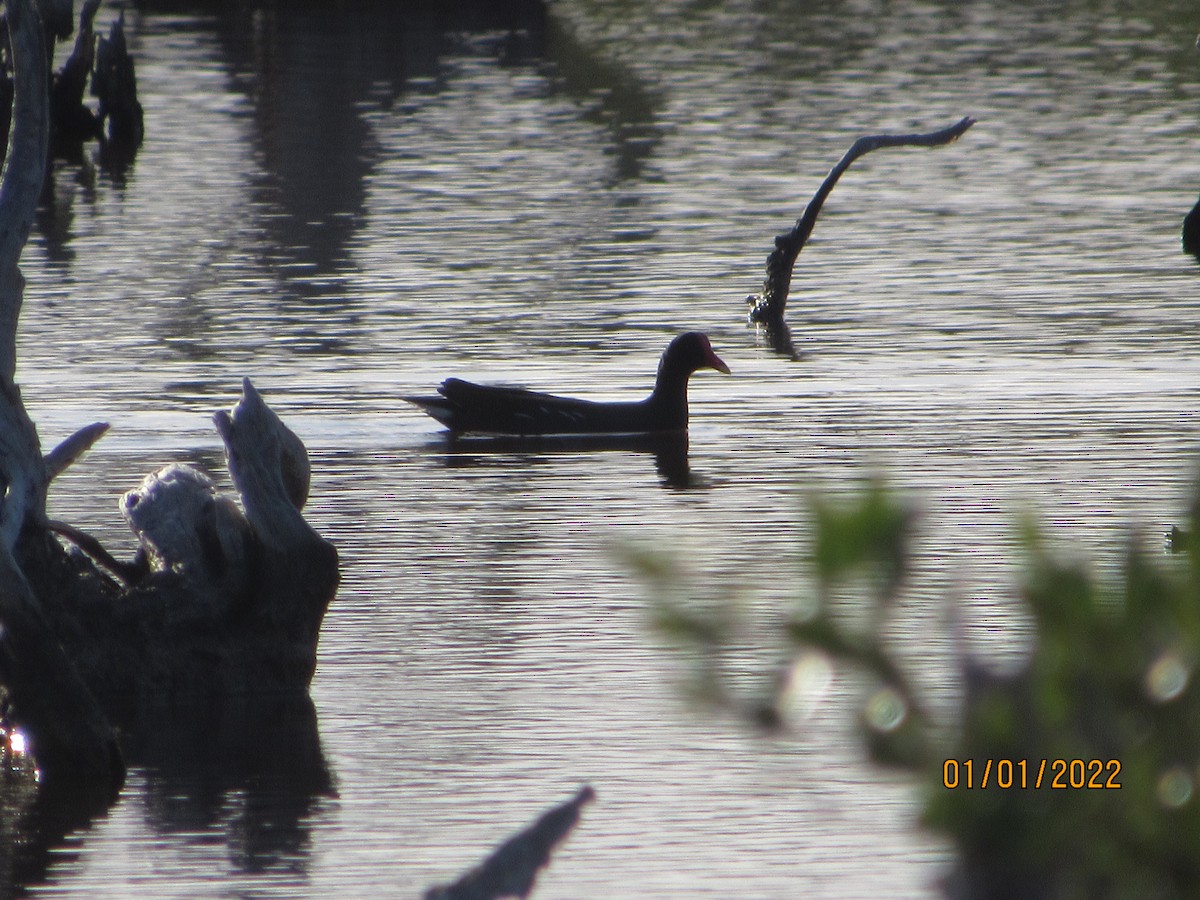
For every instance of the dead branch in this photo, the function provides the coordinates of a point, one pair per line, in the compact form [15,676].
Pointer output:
[71,121]
[114,83]
[69,450]
[768,307]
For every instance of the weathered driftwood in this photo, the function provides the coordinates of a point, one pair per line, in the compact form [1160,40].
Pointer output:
[70,449]
[22,470]
[221,602]
[224,604]
[767,307]
[512,868]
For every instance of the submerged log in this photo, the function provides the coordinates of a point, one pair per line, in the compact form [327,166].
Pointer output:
[767,307]
[52,704]
[224,600]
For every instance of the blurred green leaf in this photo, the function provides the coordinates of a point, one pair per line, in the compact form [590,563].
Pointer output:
[1092,747]
[870,533]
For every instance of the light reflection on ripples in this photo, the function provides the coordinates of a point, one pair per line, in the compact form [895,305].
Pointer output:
[1003,324]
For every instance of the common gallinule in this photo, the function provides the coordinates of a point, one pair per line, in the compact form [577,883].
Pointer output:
[466,407]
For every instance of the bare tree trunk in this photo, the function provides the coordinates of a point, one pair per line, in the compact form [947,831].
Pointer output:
[22,471]
[64,722]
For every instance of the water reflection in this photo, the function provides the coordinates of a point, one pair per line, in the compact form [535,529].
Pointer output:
[66,181]
[312,77]
[778,336]
[529,193]
[248,772]
[609,94]
[670,451]
[35,822]
[251,769]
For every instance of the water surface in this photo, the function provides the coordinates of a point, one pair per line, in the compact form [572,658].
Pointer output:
[350,209]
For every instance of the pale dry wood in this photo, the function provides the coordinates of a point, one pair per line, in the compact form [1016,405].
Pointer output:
[270,469]
[69,450]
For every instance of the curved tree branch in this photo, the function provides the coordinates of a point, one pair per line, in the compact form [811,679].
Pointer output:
[73,447]
[768,306]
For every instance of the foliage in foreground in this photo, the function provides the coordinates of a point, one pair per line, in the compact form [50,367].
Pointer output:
[1074,777]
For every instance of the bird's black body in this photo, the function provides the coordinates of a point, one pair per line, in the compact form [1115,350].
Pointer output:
[464,407]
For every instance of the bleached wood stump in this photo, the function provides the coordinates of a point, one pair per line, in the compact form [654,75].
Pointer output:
[229,600]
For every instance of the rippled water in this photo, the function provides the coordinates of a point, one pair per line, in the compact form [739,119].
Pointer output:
[350,209]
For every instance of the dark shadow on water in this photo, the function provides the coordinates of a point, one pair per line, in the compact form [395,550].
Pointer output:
[37,824]
[512,868]
[246,773]
[314,75]
[670,451]
[610,95]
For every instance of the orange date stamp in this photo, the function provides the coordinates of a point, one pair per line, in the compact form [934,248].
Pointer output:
[1056,774]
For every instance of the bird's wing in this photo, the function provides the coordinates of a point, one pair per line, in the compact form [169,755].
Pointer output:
[506,410]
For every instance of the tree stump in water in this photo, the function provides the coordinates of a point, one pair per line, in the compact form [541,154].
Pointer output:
[115,85]
[103,63]
[226,600]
